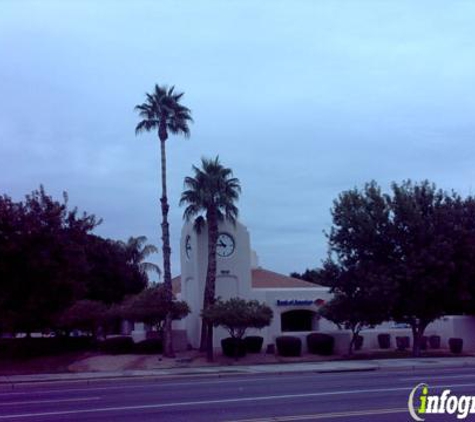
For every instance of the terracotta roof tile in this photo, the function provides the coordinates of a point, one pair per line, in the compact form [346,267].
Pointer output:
[265,279]
[262,279]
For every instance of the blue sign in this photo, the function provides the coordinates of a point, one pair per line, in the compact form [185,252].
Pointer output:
[295,302]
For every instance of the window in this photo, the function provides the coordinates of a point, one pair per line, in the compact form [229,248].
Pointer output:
[298,320]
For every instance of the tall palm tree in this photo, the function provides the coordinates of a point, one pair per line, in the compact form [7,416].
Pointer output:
[211,192]
[137,251]
[163,112]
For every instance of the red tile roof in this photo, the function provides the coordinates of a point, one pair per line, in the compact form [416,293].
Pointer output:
[262,279]
[265,279]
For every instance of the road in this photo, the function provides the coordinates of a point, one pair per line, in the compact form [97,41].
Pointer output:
[357,396]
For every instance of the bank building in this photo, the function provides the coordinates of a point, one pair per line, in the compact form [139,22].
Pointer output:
[294,302]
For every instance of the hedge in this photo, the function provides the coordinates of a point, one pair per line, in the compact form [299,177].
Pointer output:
[25,348]
[288,346]
[320,344]
[117,345]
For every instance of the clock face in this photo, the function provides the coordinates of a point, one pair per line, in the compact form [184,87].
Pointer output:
[188,249]
[225,245]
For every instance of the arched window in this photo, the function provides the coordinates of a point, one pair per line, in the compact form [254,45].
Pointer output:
[298,320]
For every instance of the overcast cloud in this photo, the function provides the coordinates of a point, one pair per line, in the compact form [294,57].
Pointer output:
[302,99]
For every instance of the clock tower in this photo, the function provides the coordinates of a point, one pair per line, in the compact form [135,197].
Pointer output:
[233,275]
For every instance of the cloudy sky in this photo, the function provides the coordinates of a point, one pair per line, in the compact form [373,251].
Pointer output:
[302,99]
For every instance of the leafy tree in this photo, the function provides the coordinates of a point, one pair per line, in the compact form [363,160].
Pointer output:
[84,315]
[312,276]
[152,306]
[354,311]
[403,249]
[212,191]
[430,229]
[236,315]
[111,274]
[42,260]
[49,259]
[163,112]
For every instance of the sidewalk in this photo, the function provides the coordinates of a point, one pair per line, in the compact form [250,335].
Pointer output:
[8,382]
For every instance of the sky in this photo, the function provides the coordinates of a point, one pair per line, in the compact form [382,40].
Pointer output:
[302,99]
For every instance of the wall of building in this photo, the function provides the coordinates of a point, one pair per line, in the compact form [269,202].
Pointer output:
[233,274]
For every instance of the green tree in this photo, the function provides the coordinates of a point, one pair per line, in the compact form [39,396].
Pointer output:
[49,259]
[430,228]
[84,315]
[311,275]
[152,306]
[111,273]
[405,249]
[42,260]
[354,305]
[236,315]
[163,112]
[212,192]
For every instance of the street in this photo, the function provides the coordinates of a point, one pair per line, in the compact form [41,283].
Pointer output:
[350,396]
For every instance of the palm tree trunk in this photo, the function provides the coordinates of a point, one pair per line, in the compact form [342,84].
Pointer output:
[210,287]
[167,277]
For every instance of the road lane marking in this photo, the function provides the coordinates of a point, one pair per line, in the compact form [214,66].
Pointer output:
[438,377]
[221,401]
[152,385]
[370,412]
[16,403]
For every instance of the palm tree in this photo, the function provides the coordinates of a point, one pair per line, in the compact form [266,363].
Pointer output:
[137,251]
[212,191]
[163,112]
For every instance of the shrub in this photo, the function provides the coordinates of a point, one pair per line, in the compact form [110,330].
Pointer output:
[117,345]
[434,342]
[253,344]
[236,315]
[25,348]
[288,346]
[456,345]
[149,346]
[84,315]
[402,343]
[233,347]
[320,344]
[150,306]
[384,341]
[359,342]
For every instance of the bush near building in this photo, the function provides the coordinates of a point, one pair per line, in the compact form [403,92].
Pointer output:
[320,344]
[288,346]
[237,315]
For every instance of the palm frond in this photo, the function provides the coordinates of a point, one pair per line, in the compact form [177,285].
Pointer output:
[212,188]
[162,107]
[199,224]
[148,266]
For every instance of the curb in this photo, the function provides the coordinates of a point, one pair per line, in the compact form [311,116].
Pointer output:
[8,383]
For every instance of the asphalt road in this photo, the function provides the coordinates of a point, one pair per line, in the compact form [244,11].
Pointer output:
[357,396]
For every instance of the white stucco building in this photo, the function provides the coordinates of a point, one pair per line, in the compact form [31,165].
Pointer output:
[293,301]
